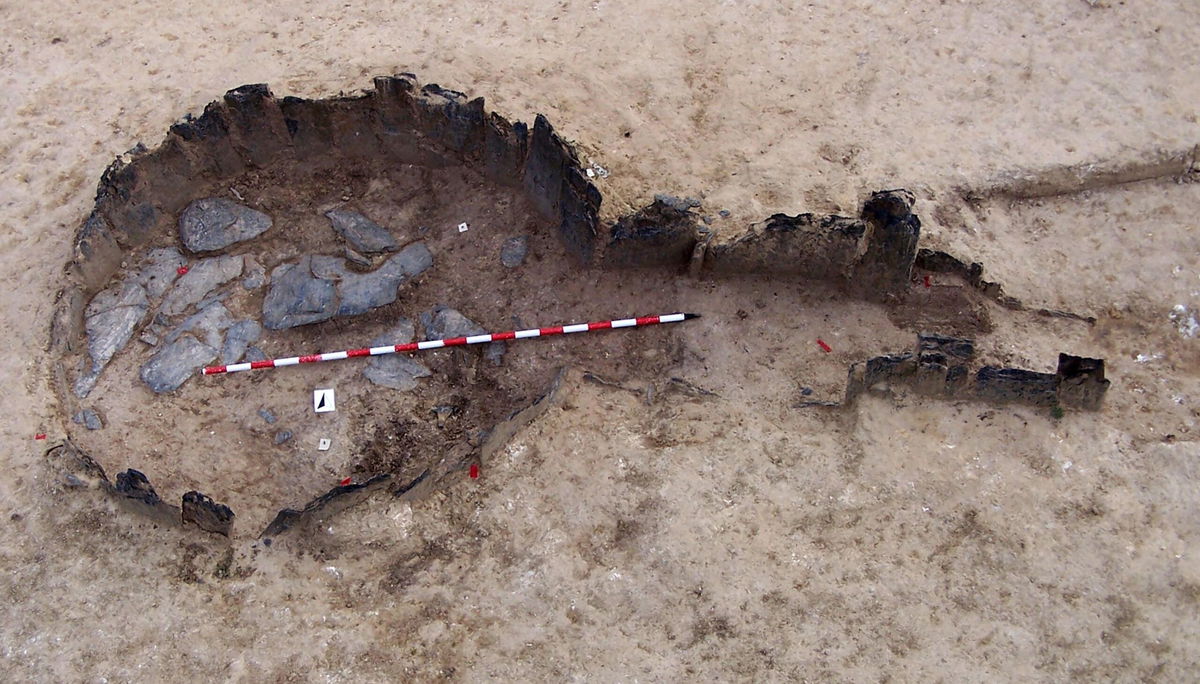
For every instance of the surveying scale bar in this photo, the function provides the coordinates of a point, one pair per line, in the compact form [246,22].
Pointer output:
[452,342]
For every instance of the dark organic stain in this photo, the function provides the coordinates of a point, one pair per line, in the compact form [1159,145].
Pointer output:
[716,626]
[402,571]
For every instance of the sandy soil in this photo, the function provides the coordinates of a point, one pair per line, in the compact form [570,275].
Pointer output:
[729,537]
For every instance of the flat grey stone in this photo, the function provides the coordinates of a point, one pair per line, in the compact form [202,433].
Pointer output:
[283,436]
[159,326]
[363,234]
[400,333]
[215,223]
[214,297]
[357,259]
[319,287]
[86,382]
[676,203]
[297,297]
[443,323]
[254,354]
[512,253]
[159,269]
[255,274]
[326,267]
[89,419]
[110,319]
[109,322]
[208,324]
[238,339]
[175,363]
[267,415]
[361,292]
[202,278]
[395,371]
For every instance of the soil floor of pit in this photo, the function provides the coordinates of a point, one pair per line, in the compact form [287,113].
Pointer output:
[729,537]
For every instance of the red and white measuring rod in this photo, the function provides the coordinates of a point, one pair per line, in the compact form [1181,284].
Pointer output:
[452,342]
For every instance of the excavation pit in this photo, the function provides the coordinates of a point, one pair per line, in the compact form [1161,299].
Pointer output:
[251,438]
[272,228]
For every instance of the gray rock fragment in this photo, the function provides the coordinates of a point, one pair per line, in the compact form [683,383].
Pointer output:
[86,382]
[110,320]
[512,253]
[361,292]
[238,339]
[395,371]
[296,297]
[215,223]
[363,234]
[443,323]
[401,333]
[215,297]
[209,323]
[175,363]
[357,259]
[159,269]
[202,278]
[677,203]
[283,436]
[254,354]
[317,288]
[89,419]
[267,415]
[255,274]
[398,372]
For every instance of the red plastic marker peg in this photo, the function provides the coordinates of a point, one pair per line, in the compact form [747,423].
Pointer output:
[182,270]
[40,436]
[346,482]
[474,471]
[928,282]
[822,345]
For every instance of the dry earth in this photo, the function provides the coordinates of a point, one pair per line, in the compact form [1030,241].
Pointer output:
[731,537]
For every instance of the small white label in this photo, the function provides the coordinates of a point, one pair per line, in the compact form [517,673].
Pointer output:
[323,401]
[462,227]
[323,444]
[590,173]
